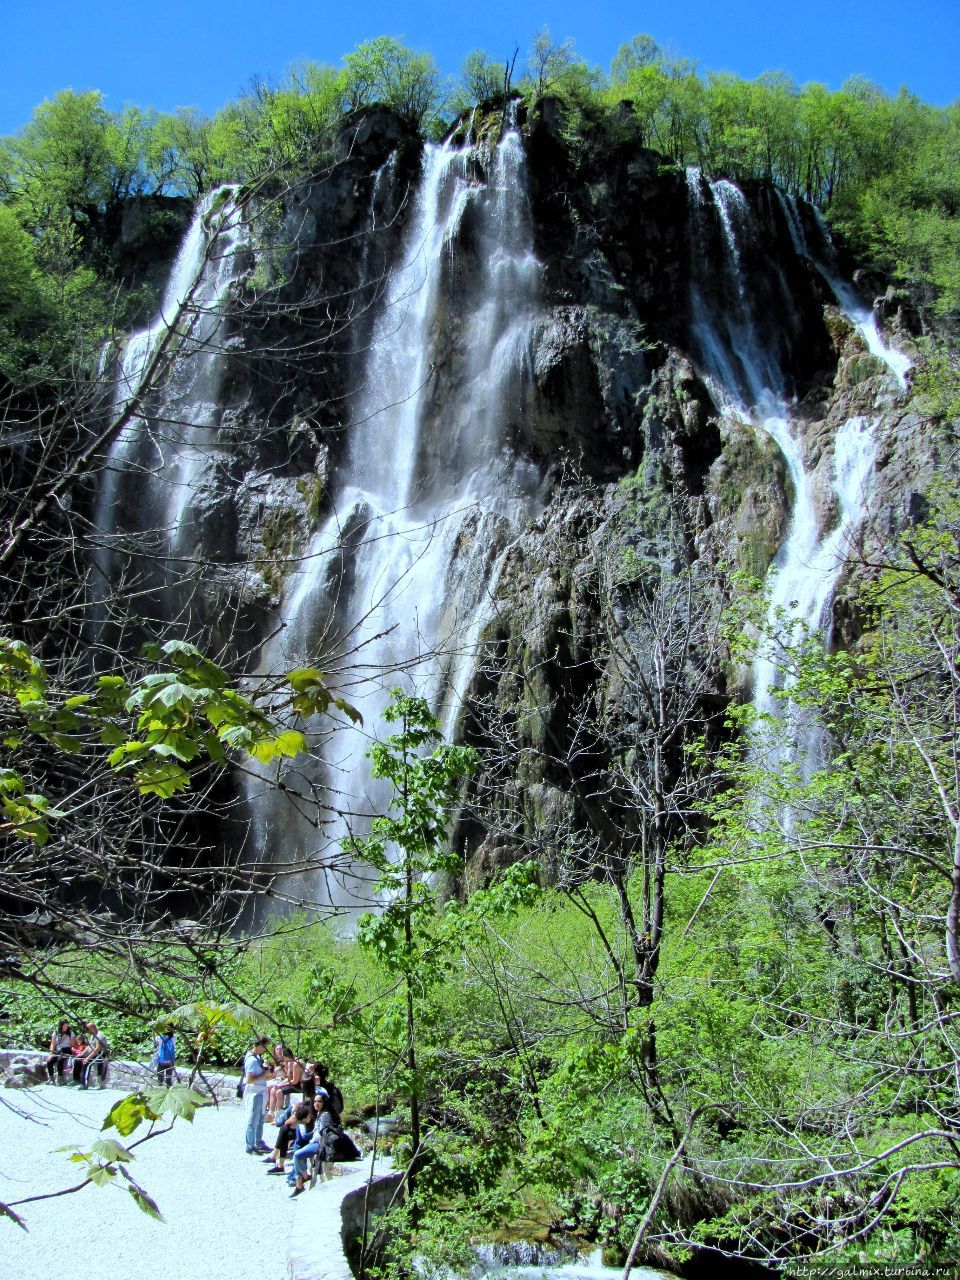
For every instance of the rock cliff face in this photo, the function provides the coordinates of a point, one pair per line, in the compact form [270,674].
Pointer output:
[648,469]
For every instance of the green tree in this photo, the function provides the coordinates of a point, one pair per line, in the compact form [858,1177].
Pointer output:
[554,68]
[385,71]
[852,873]
[77,156]
[21,296]
[642,51]
[665,95]
[481,78]
[409,850]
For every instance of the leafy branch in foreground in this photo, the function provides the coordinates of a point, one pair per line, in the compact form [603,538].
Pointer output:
[155,727]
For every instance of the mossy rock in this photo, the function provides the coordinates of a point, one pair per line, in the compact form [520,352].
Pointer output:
[313,490]
[755,552]
[217,205]
[858,369]
[750,461]
[837,326]
[613,1254]
[281,534]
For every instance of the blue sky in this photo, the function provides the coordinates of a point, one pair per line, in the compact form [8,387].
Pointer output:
[195,53]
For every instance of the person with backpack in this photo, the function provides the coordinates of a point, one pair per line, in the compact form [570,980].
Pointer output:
[256,1077]
[165,1057]
[329,1142]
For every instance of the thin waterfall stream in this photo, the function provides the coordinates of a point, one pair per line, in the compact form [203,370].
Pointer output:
[744,368]
[860,316]
[152,466]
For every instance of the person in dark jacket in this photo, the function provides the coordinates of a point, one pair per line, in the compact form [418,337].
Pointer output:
[334,1096]
[298,1126]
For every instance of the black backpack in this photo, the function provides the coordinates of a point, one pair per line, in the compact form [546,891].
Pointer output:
[334,1097]
[338,1145]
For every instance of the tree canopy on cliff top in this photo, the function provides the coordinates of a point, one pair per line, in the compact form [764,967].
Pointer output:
[886,169]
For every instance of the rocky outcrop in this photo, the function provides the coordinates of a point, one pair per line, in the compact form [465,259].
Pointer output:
[640,474]
[141,236]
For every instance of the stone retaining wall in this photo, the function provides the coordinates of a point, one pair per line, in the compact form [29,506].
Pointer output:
[21,1068]
[372,1198]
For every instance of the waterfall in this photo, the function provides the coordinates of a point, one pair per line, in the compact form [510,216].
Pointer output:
[740,354]
[392,588]
[807,568]
[153,463]
[859,315]
[527,1260]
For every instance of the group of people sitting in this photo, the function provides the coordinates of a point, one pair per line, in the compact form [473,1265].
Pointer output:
[83,1055]
[305,1105]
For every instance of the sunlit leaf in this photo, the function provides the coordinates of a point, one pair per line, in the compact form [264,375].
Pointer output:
[304,678]
[128,1114]
[161,779]
[145,1202]
[178,1100]
[108,1149]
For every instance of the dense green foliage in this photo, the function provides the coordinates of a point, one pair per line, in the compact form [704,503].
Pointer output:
[886,169]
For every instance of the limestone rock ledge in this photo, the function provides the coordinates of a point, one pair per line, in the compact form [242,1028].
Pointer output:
[330,1219]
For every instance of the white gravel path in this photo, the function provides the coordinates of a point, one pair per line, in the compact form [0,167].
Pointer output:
[224,1218]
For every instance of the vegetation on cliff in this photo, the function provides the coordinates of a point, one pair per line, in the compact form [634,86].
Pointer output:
[883,168]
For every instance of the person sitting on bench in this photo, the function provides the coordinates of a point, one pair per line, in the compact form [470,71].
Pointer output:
[94,1057]
[61,1046]
[317,1148]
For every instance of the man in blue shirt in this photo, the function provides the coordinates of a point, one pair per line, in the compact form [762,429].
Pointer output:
[255,1078]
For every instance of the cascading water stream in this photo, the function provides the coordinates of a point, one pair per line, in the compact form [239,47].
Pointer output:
[152,465]
[859,315]
[392,588]
[808,565]
[743,366]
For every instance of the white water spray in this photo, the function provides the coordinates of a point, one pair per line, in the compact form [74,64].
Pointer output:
[859,315]
[393,588]
[153,463]
[741,363]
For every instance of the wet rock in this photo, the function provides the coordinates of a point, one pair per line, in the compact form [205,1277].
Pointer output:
[749,494]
